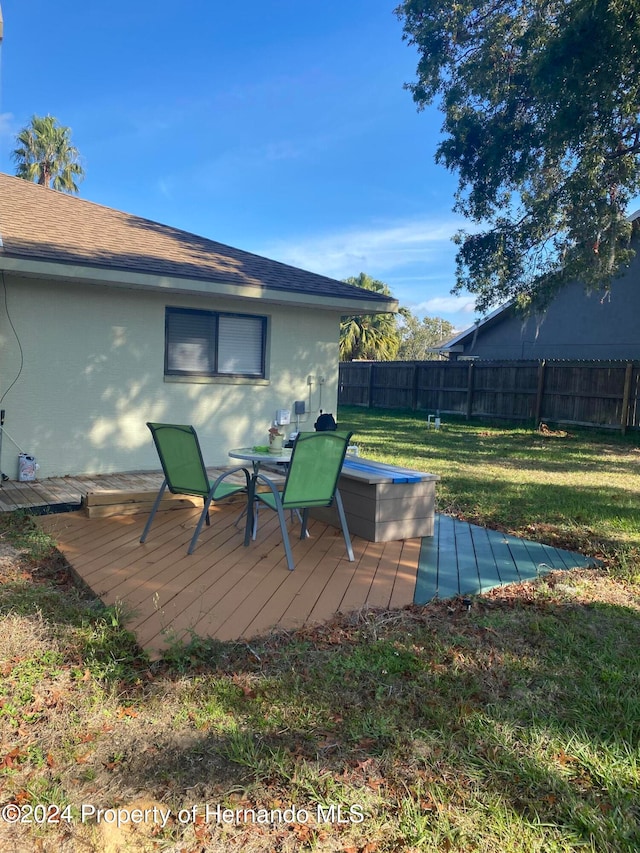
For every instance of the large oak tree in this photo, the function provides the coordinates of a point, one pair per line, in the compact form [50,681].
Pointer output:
[541,103]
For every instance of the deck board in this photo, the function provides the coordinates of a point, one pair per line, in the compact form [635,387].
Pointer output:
[447,558]
[503,557]
[384,578]
[407,573]
[557,558]
[304,585]
[484,559]
[427,581]
[468,576]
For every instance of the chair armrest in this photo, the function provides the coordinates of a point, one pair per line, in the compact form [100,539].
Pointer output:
[260,478]
[218,480]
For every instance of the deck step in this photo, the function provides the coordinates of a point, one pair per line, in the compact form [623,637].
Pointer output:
[108,502]
[106,505]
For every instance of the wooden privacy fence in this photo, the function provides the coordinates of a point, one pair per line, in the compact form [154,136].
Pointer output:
[586,393]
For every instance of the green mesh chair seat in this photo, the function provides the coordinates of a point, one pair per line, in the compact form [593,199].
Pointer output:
[185,473]
[312,481]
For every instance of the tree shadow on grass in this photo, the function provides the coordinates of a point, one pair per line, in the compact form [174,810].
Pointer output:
[530,703]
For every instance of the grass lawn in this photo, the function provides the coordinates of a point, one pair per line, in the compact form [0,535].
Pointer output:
[579,489]
[514,726]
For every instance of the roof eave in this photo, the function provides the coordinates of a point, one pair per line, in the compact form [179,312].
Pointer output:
[110,277]
[450,346]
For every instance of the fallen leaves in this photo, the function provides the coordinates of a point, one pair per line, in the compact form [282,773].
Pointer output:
[12,759]
[367,847]
[126,712]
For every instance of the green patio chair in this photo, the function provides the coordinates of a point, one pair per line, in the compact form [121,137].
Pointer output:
[312,481]
[185,473]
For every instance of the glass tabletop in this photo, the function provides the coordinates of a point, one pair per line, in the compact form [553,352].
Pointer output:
[258,455]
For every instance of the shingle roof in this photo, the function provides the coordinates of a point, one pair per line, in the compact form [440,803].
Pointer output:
[46,225]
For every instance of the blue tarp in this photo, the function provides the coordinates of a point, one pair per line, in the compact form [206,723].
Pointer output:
[397,475]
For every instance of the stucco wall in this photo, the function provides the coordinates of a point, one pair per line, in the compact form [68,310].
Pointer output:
[93,374]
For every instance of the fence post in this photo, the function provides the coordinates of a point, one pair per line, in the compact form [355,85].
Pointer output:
[540,392]
[624,415]
[370,400]
[470,390]
[414,387]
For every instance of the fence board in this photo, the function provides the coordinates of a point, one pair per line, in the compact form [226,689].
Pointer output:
[588,393]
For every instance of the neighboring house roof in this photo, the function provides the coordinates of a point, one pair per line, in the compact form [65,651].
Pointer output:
[457,342]
[54,235]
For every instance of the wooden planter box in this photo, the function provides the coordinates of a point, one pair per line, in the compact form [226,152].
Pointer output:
[383,502]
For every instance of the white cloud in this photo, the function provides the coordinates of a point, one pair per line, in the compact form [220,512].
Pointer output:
[416,258]
[440,304]
[165,187]
[375,250]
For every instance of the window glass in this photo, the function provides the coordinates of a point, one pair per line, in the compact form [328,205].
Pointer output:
[205,343]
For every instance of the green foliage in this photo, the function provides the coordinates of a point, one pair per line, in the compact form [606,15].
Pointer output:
[46,156]
[384,337]
[417,336]
[19,529]
[370,336]
[541,104]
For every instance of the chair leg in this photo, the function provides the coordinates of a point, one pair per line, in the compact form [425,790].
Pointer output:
[303,522]
[343,523]
[254,521]
[154,509]
[285,536]
[204,515]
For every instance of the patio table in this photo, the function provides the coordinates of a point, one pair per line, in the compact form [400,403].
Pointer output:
[257,458]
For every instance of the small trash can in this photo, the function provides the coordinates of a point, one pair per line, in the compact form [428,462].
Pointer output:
[27,468]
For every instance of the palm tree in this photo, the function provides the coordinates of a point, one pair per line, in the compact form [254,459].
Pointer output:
[45,155]
[370,336]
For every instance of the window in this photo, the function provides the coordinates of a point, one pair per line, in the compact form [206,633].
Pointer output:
[206,343]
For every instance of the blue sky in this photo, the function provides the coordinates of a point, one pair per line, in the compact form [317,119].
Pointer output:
[278,126]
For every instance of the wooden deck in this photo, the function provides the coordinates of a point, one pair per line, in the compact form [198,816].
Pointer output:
[465,559]
[230,592]
[223,589]
[67,492]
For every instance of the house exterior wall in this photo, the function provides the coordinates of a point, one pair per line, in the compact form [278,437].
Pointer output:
[576,325]
[93,375]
